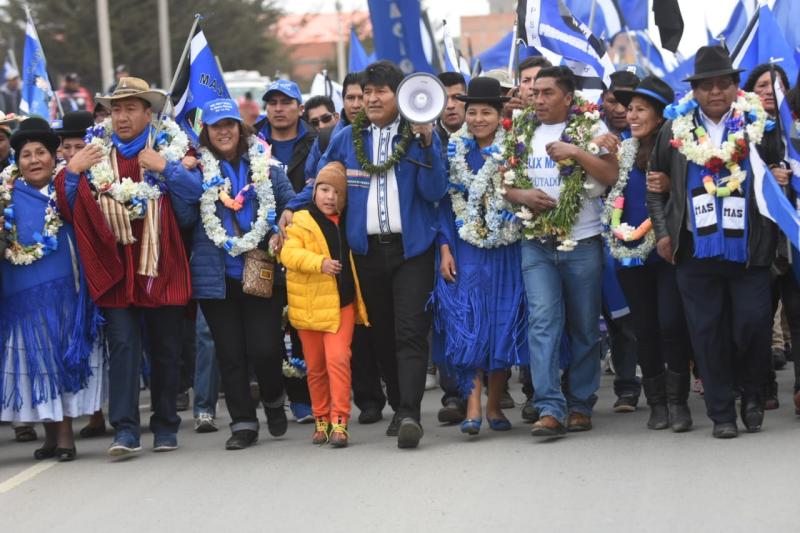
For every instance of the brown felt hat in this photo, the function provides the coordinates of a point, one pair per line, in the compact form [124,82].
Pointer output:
[134,88]
[334,175]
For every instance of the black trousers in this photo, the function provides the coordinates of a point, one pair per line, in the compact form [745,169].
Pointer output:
[247,333]
[786,290]
[730,325]
[658,318]
[126,340]
[395,291]
[188,355]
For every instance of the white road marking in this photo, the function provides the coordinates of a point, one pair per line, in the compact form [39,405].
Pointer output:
[26,475]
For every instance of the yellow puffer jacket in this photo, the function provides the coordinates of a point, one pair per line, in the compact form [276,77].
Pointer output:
[314,296]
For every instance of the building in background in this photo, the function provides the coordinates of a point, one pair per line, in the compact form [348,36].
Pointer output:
[481,32]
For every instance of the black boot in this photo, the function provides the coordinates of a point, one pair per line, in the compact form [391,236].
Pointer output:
[680,418]
[656,396]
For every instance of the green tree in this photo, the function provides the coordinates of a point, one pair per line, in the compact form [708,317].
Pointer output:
[237,30]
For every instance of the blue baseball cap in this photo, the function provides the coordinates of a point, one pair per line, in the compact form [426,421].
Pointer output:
[220,109]
[287,87]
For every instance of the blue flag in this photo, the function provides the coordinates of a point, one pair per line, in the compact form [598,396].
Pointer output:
[36,89]
[200,82]
[549,25]
[398,36]
[736,25]
[497,56]
[787,13]
[763,42]
[636,13]
[608,20]
[359,59]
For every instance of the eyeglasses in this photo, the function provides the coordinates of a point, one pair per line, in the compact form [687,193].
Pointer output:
[723,84]
[324,119]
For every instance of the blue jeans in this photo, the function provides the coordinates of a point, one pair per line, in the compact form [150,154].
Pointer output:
[206,373]
[563,289]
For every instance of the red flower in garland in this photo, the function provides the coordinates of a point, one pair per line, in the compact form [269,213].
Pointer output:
[513,161]
[507,124]
[740,153]
[715,165]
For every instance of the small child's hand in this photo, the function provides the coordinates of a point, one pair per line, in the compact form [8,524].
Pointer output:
[331,266]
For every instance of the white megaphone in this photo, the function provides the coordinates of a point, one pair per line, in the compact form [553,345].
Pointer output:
[421,98]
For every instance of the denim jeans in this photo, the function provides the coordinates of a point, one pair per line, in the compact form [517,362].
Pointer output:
[206,373]
[563,289]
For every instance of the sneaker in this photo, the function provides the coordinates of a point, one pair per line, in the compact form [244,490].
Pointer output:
[165,442]
[530,413]
[321,429]
[241,439]
[276,420]
[409,433]
[301,412]
[124,443]
[182,401]
[626,404]
[204,423]
[453,412]
[430,381]
[370,415]
[339,435]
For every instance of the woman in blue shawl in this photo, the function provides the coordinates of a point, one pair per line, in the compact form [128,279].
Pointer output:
[479,296]
[50,360]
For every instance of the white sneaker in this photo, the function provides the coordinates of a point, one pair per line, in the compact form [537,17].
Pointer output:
[431,382]
[204,423]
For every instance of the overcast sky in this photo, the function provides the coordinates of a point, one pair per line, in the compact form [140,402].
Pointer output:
[695,14]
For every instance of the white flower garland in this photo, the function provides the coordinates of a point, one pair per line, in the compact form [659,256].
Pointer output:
[701,152]
[213,183]
[17,253]
[617,248]
[479,192]
[125,191]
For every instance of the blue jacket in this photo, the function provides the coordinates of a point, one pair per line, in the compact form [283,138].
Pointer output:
[419,188]
[207,262]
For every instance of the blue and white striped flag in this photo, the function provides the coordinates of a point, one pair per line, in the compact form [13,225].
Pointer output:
[36,89]
[453,62]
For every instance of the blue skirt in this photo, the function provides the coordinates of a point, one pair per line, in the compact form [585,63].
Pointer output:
[480,320]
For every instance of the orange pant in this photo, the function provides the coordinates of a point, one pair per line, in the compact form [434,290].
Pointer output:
[328,367]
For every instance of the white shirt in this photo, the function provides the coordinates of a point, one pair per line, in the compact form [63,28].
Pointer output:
[715,130]
[544,175]
[383,202]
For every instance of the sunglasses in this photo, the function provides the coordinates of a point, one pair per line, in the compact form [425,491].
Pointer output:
[723,84]
[324,119]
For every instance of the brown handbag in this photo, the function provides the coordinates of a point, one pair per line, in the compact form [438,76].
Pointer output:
[258,274]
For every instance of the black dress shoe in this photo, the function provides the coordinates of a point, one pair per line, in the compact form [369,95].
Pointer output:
[752,411]
[530,413]
[394,426]
[65,455]
[409,433]
[241,439]
[370,415]
[453,412]
[725,430]
[45,452]
[277,424]
[90,432]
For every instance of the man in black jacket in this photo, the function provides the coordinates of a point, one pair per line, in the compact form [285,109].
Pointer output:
[722,246]
[284,130]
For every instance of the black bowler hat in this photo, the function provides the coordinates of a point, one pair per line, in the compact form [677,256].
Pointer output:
[711,62]
[34,129]
[75,124]
[651,87]
[624,78]
[484,90]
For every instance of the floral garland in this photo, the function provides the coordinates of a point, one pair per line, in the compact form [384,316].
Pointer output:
[216,188]
[618,233]
[482,214]
[46,242]
[583,121]
[747,118]
[361,121]
[172,143]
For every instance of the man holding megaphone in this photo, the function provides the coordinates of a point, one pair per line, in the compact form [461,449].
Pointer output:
[395,176]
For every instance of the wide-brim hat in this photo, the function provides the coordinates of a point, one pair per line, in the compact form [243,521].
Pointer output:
[134,88]
[711,62]
[502,76]
[483,90]
[8,122]
[34,129]
[75,124]
[652,88]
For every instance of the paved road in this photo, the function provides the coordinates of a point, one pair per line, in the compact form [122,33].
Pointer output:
[618,477]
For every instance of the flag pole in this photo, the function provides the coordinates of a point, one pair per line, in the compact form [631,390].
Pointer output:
[743,38]
[168,103]
[772,77]
[512,56]
[49,83]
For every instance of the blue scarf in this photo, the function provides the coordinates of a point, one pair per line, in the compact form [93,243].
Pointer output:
[719,225]
[131,149]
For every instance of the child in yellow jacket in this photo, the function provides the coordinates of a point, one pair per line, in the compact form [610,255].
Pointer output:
[324,301]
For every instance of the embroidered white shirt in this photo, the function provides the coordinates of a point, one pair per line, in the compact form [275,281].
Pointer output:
[383,202]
